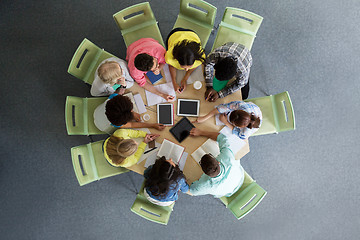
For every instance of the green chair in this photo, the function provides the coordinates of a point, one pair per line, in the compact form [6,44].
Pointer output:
[239,26]
[198,16]
[150,211]
[90,164]
[79,115]
[137,22]
[245,199]
[86,59]
[277,111]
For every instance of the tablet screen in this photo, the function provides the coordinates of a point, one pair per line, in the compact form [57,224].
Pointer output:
[181,130]
[165,114]
[188,107]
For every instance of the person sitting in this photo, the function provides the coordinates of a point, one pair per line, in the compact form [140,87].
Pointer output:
[223,175]
[121,150]
[227,61]
[117,112]
[184,52]
[243,118]
[111,74]
[144,55]
[163,180]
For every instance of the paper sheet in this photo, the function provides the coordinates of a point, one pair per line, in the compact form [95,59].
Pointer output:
[182,161]
[235,142]
[150,160]
[139,103]
[167,73]
[153,99]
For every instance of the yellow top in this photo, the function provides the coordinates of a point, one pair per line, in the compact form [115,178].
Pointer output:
[127,134]
[176,38]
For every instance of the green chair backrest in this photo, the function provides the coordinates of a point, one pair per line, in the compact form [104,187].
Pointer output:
[79,115]
[278,113]
[239,26]
[137,22]
[86,60]
[90,164]
[245,199]
[150,211]
[198,16]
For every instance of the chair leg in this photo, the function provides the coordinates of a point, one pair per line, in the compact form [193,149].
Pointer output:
[91,139]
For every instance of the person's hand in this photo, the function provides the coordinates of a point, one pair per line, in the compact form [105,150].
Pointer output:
[195,132]
[177,88]
[214,97]
[168,98]
[183,85]
[209,94]
[156,71]
[200,120]
[150,137]
[137,117]
[159,126]
[120,91]
[223,118]
[121,81]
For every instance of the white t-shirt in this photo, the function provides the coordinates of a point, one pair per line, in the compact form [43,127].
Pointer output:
[100,119]
[99,88]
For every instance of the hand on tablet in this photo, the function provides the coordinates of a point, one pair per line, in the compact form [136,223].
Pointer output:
[158,126]
[195,132]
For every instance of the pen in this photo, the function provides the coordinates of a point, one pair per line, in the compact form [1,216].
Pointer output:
[149,150]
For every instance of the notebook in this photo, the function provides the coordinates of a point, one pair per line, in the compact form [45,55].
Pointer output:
[210,146]
[172,150]
[181,130]
[153,78]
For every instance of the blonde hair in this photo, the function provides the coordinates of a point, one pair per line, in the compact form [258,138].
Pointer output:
[109,72]
[118,149]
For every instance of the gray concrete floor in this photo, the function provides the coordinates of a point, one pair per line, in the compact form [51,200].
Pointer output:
[309,48]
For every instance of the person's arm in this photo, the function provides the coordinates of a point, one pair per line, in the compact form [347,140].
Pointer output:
[143,125]
[152,89]
[224,120]
[184,186]
[185,78]
[131,133]
[201,186]
[197,132]
[207,116]
[172,71]
[234,86]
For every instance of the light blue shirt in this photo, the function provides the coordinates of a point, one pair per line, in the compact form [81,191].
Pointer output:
[230,178]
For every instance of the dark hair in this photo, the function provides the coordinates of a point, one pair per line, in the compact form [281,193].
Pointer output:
[210,165]
[241,118]
[144,62]
[186,52]
[225,69]
[119,110]
[162,176]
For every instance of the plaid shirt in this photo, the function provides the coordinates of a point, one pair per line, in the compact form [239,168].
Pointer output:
[249,107]
[244,61]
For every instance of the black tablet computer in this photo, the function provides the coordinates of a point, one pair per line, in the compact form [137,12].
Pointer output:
[181,130]
[165,113]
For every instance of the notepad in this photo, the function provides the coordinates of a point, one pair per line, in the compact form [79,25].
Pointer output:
[172,150]
[153,78]
[166,88]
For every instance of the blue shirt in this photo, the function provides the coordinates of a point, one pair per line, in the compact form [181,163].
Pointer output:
[230,178]
[172,194]
[242,133]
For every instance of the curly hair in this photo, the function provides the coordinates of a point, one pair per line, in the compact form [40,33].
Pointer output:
[144,62]
[118,149]
[242,119]
[119,110]
[210,165]
[186,52]
[225,69]
[162,177]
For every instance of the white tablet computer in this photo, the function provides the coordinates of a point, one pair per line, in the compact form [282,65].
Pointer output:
[188,107]
[165,113]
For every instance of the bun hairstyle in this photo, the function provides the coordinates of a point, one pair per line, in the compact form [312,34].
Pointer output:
[109,72]
[118,149]
[242,119]
[186,52]
[162,176]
